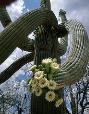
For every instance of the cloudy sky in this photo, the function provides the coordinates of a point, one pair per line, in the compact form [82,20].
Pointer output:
[76,9]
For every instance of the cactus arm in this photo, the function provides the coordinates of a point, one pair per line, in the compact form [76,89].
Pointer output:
[62,42]
[4,17]
[14,35]
[5,20]
[75,66]
[8,72]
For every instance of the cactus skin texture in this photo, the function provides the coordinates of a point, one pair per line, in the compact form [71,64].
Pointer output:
[4,17]
[75,66]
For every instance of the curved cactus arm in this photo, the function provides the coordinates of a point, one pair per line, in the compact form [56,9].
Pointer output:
[14,34]
[28,44]
[4,17]
[75,66]
[62,42]
[7,73]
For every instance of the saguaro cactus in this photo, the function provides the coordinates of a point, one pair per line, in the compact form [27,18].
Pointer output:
[4,17]
[47,31]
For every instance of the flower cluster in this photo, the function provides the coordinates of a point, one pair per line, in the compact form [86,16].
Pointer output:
[42,81]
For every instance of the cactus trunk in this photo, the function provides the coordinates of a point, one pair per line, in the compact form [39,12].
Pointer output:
[45,45]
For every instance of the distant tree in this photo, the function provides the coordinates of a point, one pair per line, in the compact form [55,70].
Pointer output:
[15,99]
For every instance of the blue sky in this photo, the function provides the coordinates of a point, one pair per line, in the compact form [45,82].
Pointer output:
[32,4]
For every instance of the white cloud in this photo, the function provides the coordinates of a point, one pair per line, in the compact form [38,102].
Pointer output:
[56,5]
[1,27]
[14,56]
[76,9]
[31,36]
[16,9]
[82,16]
